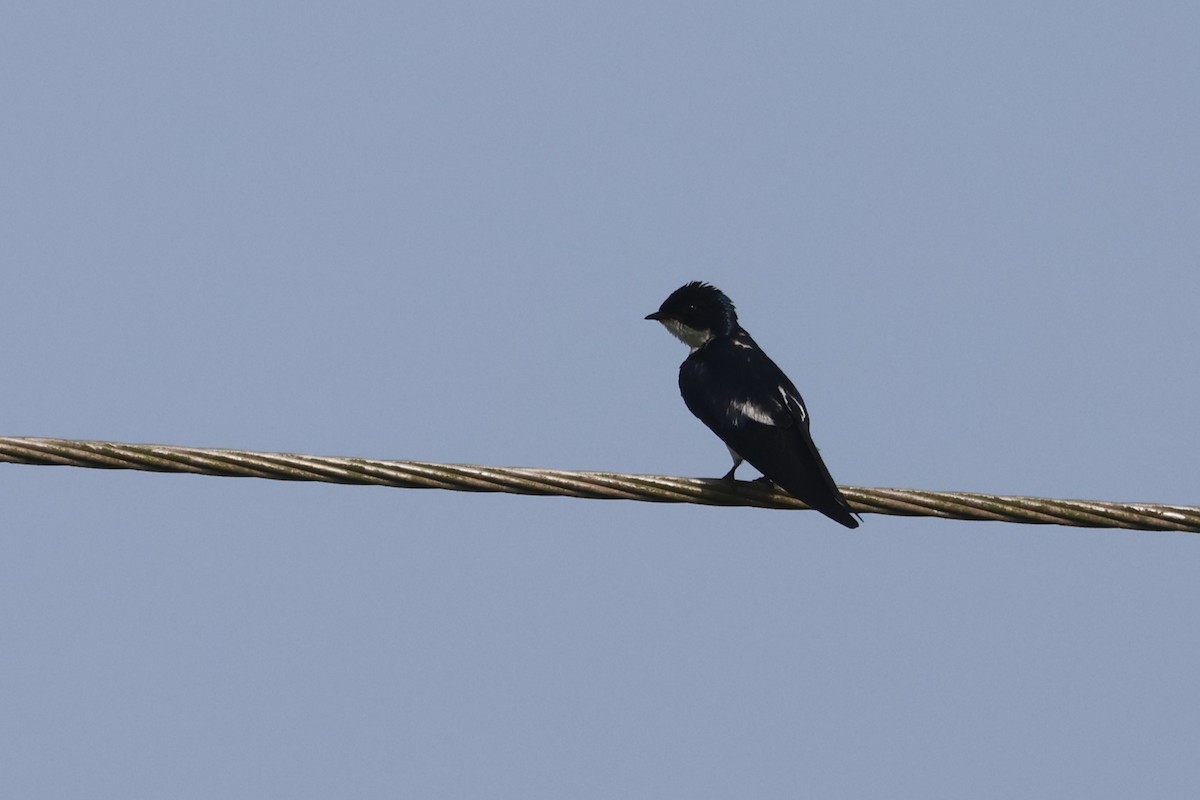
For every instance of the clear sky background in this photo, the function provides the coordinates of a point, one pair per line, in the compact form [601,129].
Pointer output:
[970,233]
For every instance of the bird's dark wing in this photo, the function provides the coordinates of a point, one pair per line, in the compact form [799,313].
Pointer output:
[743,397]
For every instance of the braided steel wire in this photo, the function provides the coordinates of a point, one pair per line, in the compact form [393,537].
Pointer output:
[594,485]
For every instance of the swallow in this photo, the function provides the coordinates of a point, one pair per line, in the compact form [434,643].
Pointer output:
[731,385]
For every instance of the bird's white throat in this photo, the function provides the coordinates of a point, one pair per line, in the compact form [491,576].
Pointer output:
[692,337]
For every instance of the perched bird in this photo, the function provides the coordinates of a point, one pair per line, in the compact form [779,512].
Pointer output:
[738,392]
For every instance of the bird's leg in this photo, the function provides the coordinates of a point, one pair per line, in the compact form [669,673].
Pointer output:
[737,462]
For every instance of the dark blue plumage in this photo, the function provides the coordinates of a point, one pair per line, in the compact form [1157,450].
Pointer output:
[731,385]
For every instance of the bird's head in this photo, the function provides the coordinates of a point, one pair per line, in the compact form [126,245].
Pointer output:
[695,313]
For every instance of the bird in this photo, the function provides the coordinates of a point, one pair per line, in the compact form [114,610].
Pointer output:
[731,385]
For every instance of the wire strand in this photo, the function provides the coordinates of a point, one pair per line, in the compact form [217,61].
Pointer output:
[592,485]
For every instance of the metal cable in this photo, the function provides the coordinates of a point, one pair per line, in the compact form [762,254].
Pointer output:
[595,485]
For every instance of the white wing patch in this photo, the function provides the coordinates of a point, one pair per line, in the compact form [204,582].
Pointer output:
[795,404]
[756,413]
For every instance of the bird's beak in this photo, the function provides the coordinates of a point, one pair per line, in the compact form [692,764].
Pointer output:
[656,316]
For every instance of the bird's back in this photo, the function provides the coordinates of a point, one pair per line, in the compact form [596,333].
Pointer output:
[742,396]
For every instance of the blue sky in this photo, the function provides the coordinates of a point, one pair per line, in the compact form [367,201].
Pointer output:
[431,231]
